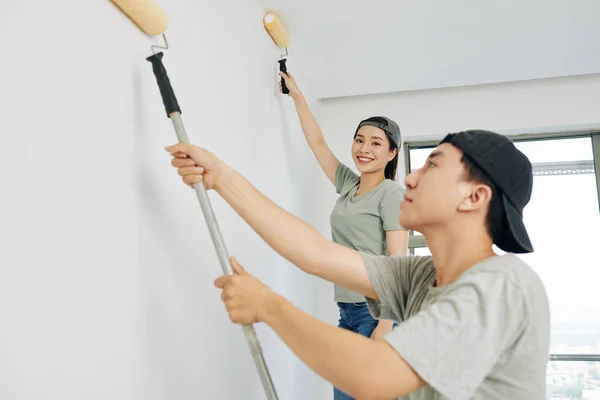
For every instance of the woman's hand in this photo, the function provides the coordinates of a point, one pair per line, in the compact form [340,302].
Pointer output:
[290,82]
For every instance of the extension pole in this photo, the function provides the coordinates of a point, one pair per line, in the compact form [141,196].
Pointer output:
[174,113]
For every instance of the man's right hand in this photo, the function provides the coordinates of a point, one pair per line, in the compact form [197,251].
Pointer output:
[195,164]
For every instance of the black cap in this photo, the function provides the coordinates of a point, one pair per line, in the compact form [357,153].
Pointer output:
[386,124]
[510,170]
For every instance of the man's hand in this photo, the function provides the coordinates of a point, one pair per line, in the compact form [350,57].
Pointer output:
[246,299]
[383,327]
[195,164]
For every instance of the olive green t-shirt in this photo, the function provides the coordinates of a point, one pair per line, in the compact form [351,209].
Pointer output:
[361,222]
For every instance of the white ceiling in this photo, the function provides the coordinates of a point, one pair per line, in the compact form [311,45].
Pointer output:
[352,47]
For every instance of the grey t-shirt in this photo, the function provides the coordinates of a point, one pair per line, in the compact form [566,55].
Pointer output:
[484,336]
[361,222]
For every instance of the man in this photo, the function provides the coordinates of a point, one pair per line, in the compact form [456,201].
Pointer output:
[473,325]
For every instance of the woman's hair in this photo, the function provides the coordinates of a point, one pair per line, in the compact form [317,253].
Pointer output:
[391,169]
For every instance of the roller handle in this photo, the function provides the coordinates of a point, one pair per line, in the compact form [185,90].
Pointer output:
[174,113]
[164,84]
[283,68]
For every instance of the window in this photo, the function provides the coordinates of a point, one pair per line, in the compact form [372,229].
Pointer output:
[563,221]
[573,380]
[421,251]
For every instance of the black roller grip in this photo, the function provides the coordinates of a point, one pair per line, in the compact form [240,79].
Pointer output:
[283,68]
[166,91]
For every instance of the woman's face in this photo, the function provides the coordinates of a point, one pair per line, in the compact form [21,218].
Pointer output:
[371,150]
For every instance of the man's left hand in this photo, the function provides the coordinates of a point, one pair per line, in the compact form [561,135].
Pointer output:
[246,299]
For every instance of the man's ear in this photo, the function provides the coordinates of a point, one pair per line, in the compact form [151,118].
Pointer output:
[479,197]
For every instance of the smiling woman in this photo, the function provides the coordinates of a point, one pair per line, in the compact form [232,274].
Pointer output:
[367,212]
[383,149]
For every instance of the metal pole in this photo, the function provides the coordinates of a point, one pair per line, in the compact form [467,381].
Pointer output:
[219,244]
[174,113]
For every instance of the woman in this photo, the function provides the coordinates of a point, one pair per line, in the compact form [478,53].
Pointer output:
[366,214]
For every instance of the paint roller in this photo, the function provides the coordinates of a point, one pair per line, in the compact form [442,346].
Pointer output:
[151,19]
[281,38]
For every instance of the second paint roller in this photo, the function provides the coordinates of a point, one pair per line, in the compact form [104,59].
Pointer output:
[151,19]
[281,38]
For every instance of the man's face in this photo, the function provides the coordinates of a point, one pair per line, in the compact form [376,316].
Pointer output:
[435,191]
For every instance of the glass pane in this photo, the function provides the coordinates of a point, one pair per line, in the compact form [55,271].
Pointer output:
[538,151]
[418,157]
[573,380]
[564,225]
[422,251]
[557,150]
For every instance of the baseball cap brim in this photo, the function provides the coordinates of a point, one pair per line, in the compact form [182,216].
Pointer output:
[514,239]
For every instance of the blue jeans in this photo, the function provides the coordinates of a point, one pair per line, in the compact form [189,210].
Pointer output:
[356,318]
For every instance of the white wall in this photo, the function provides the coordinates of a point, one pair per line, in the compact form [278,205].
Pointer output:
[106,265]
[369,47]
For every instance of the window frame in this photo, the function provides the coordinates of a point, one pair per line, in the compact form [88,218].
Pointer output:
[418,240]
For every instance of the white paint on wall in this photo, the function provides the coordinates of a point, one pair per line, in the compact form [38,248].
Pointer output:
[354,48]
[106,264]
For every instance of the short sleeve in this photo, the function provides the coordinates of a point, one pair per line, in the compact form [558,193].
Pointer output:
[394,280]
[390,210]
[345,178]
[454,342]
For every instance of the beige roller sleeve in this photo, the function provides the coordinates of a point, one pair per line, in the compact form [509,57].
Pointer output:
[276,30]
[146,14]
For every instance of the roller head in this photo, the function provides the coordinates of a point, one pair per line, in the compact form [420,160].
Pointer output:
[276,30]
[146,14]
